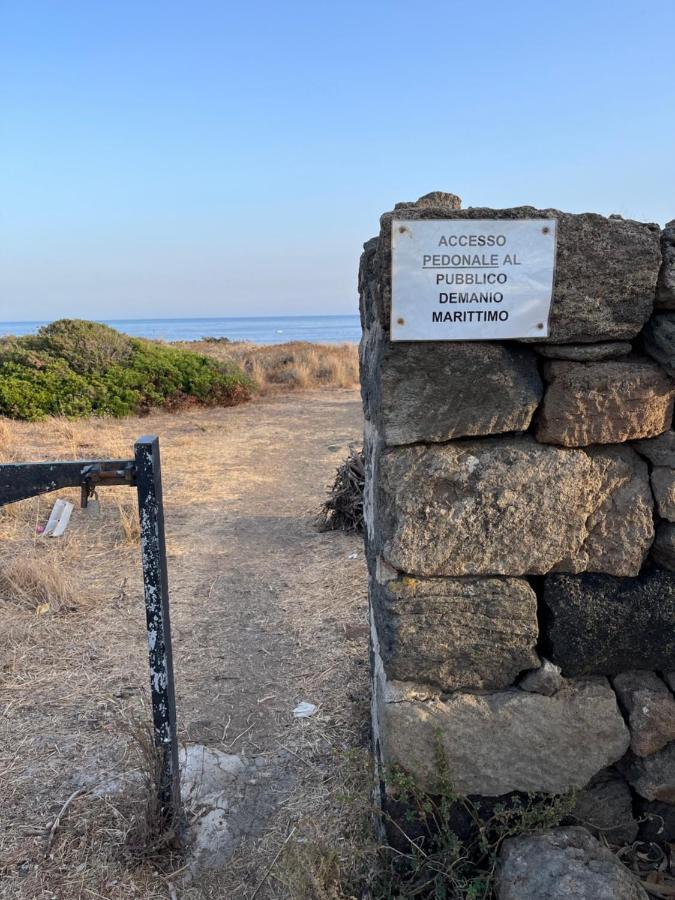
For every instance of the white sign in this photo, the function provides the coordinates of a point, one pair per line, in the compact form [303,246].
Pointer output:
[471,279]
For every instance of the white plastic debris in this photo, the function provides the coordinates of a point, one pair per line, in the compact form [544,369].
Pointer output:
[58,519]
[304,710]
[353,556]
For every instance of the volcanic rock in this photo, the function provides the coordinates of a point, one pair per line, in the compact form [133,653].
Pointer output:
[511,506]
[600,625]
[456,632]
[564,864]
[604,402]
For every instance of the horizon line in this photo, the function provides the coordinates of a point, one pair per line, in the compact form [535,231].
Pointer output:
[183,318]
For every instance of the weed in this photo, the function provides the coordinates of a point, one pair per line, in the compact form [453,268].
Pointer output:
[448,845]
[312,871]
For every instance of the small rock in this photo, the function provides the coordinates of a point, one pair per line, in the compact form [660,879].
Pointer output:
[545,680]
[663,486]
[605,808]
[600,625]
[604,402]
[564,864]
[660,451]
[659,340]
[663,548]
[653,777]
[650,708]
[665,285]
[584,352]
[670,680]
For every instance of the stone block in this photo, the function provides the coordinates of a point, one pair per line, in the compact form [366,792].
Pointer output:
[504,741]
[653,777]
[660,451]
[563,864]
[606,269]
[456,632]
[665,285]
[663,548]
[659,340]
[511,506]
[650,709]
[600,625]
[604,402]
[584,352]
[663,487]
[605,808]
[437,391]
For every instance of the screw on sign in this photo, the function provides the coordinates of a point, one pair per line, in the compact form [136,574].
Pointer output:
[18,481]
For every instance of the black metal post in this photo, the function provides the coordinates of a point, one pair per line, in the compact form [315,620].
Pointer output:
[153,554]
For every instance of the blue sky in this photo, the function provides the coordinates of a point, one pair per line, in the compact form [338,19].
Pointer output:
[208,158]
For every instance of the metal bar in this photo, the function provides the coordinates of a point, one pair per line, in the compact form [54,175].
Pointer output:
[156,585]
[19,481]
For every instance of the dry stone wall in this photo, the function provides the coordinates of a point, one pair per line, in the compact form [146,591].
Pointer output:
[520,532]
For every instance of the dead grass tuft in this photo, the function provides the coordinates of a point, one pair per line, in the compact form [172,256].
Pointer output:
[36,581]
[295,365]
[128,519]
[7,441]
[151,836]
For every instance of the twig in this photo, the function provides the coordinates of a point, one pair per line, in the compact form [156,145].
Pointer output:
[230,745]
[273,863]
[57,820]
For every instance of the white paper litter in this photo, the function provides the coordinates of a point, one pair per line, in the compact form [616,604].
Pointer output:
[58,519]
[353,556]
[304,710]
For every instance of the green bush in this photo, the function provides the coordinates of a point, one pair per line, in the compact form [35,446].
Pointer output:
[77,368]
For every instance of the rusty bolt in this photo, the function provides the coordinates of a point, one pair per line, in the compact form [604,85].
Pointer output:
[400,321]
[545,229]
[540,325]
[402,229]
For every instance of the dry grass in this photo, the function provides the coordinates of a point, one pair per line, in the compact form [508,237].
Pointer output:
[7,441]
[266,613]
[294,365]
[36,581]
[128,520]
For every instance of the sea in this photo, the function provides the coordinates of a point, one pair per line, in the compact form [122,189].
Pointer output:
[257,329]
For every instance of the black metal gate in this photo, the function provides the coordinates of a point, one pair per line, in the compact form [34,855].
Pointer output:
[18,481]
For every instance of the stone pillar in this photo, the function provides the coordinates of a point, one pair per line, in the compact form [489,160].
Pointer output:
[520,531]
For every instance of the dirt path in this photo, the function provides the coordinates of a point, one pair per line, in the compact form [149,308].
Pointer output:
[267,612]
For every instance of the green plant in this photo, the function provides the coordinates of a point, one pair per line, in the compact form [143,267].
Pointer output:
[76,368]
[447,846]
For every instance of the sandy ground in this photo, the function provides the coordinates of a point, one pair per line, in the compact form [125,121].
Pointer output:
[267,612]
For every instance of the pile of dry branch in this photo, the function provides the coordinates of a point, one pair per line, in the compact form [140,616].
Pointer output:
[343,510]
